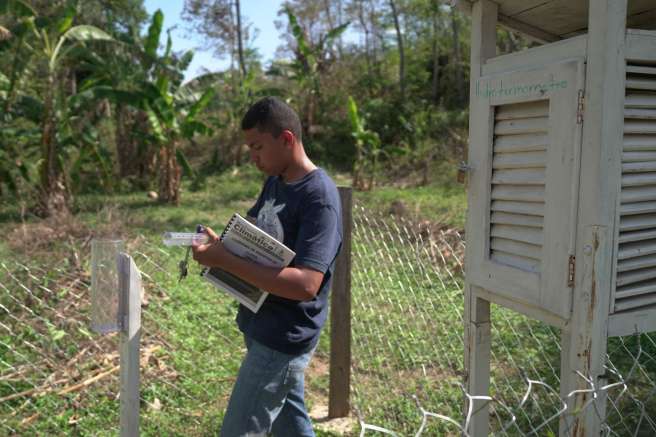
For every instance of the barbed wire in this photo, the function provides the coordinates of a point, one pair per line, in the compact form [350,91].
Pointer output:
[57,377]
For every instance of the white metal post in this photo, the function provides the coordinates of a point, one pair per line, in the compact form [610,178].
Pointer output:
[130,292]
[585,339]
[477,310]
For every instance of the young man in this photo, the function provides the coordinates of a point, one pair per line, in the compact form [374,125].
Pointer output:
[299,205]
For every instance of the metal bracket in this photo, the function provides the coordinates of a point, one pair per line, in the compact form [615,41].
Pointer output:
[580,106]
[571,271]
[463,169]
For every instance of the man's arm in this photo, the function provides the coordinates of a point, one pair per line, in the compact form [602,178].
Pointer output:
[295,283]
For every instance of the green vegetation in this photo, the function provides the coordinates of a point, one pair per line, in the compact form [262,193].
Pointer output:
[101,137]
[188,330]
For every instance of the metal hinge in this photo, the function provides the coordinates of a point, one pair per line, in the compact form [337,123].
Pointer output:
[580,106]
[571,271]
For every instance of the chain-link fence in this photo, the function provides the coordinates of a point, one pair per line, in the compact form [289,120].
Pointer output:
[58,378]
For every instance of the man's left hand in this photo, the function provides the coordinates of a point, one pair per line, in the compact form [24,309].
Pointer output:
[209,254]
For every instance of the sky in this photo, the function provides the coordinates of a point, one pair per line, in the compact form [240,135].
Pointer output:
[261,13]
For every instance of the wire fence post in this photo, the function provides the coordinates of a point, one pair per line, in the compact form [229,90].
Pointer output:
[340,317]
[130,293]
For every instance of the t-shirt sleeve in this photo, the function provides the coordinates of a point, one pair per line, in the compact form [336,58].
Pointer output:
[319,237]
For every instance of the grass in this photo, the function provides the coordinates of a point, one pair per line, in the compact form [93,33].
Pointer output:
[195,347]
[406,318]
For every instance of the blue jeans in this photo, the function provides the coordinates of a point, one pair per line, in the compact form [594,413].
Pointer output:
[268,396]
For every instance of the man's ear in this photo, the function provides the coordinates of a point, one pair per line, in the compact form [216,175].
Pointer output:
[289,137]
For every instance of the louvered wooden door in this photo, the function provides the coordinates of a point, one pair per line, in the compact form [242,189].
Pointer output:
[635,285]
[523,187]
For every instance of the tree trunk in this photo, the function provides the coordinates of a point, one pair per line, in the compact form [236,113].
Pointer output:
[363,23]
[435,88]
[399,40]
[455,32]
[240,46]
[169,176]
[54,197]
[126,149]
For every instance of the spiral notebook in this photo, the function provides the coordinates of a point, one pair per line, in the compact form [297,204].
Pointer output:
[242,238]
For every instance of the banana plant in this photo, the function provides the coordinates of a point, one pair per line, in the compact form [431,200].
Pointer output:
[172,110]
[49,43]
[309,63]
[367,149]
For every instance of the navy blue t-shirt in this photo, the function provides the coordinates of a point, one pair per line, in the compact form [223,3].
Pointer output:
[306,216]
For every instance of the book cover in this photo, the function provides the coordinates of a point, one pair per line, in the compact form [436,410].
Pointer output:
[244,239]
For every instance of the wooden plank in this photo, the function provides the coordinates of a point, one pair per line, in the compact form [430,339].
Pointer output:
[539,108]
[635,303]
[528,208]
[644,193]
[523,234]
[516,219]
[627,237]
[640,46]
[640,114]
[520,160]
[637,222]
[586,346]
[634,276]
[637,208]
[636,290]
[557,17]
[340,317]
[532,32]
[639,127]
[639,83]
[642,20]
[639,69]
[521,126]
[637,143]
[540,55]
[518,262]
[640,6]
[478,343]
[643,262]
[632,322]
[514,7]
[531,193]
[640,180]
[521,143]
[646,101]
[519,177]
[639,167]
[521,307]
[638,156]
[633,250]
[477,311]
[516,248]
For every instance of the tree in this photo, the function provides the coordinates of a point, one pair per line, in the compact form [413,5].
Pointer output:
[310,62]
[225,30]
[171,109]
[49,42]
[399,42]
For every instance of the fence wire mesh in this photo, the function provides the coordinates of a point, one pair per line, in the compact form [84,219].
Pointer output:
[58,378]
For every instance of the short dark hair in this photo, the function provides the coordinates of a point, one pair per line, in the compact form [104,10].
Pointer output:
[270,114]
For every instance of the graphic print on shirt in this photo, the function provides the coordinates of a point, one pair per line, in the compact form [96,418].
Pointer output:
[268,221]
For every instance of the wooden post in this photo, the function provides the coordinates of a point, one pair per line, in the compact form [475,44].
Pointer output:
[340,317]
[477,310]
[585,339]
[130,292]
[477,358]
